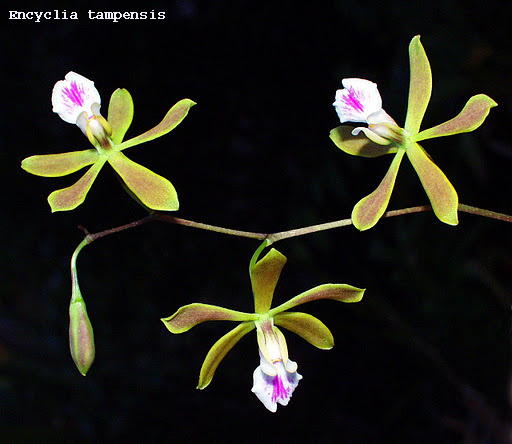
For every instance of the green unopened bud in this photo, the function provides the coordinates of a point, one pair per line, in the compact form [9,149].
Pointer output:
[81,335]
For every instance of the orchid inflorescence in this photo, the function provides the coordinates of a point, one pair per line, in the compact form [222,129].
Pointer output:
[77,101]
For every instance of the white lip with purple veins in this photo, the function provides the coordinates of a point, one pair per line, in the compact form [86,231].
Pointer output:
[274,383]
[74,95]
[360,101]
[357,100]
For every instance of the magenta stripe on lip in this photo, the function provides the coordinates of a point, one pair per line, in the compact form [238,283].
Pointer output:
[353,101]
[279,389]
[75,94]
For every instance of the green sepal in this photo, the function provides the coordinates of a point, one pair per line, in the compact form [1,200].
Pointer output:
[171,120]
[368,211]
[69,198]
[153,190]
[264,276]
[336,292]
[120,114]
[56,165]
[470,118]
[191,315]
[219,350]
[440,191]
[307,327]
[358,145]
[420,87]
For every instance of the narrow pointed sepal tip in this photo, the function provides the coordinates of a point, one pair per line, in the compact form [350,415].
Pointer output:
[202,386]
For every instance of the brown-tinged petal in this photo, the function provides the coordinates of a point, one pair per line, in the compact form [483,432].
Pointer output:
[440,191]
[153,190]
[470,118]
[219,350]
[358,145]
[307,327]
[171,120]
[120,114]
[420,86]
[56,165]
[369,209]
[69,198]
[336,292]
[264,276]
[191,315]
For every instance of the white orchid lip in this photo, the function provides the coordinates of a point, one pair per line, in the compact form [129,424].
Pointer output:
[74,95]
[358,99]
[272,389]
[276,377]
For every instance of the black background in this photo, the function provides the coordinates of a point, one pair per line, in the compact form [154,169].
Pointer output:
[423,358]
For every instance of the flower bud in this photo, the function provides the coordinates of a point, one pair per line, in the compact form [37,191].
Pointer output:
[81,336]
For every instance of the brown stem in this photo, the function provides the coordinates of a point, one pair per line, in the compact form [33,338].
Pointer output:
[485,213]
[94,236]
[274,237]
[189,223]
[339,223]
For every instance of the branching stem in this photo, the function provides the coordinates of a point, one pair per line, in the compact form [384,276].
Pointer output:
[274,237]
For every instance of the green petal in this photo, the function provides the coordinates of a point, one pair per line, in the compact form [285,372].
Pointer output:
[470,118]
[337,292]
[191,315]
[56,165]
[69,198]
[358,145]
[171,120]
[420,86]
[264,276]
[370,209]
[440,191]
[307,327]
[120,114]
[219,350]
[154,191]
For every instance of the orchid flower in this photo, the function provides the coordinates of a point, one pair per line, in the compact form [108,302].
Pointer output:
[276,377]
[77,101]
[360,101]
